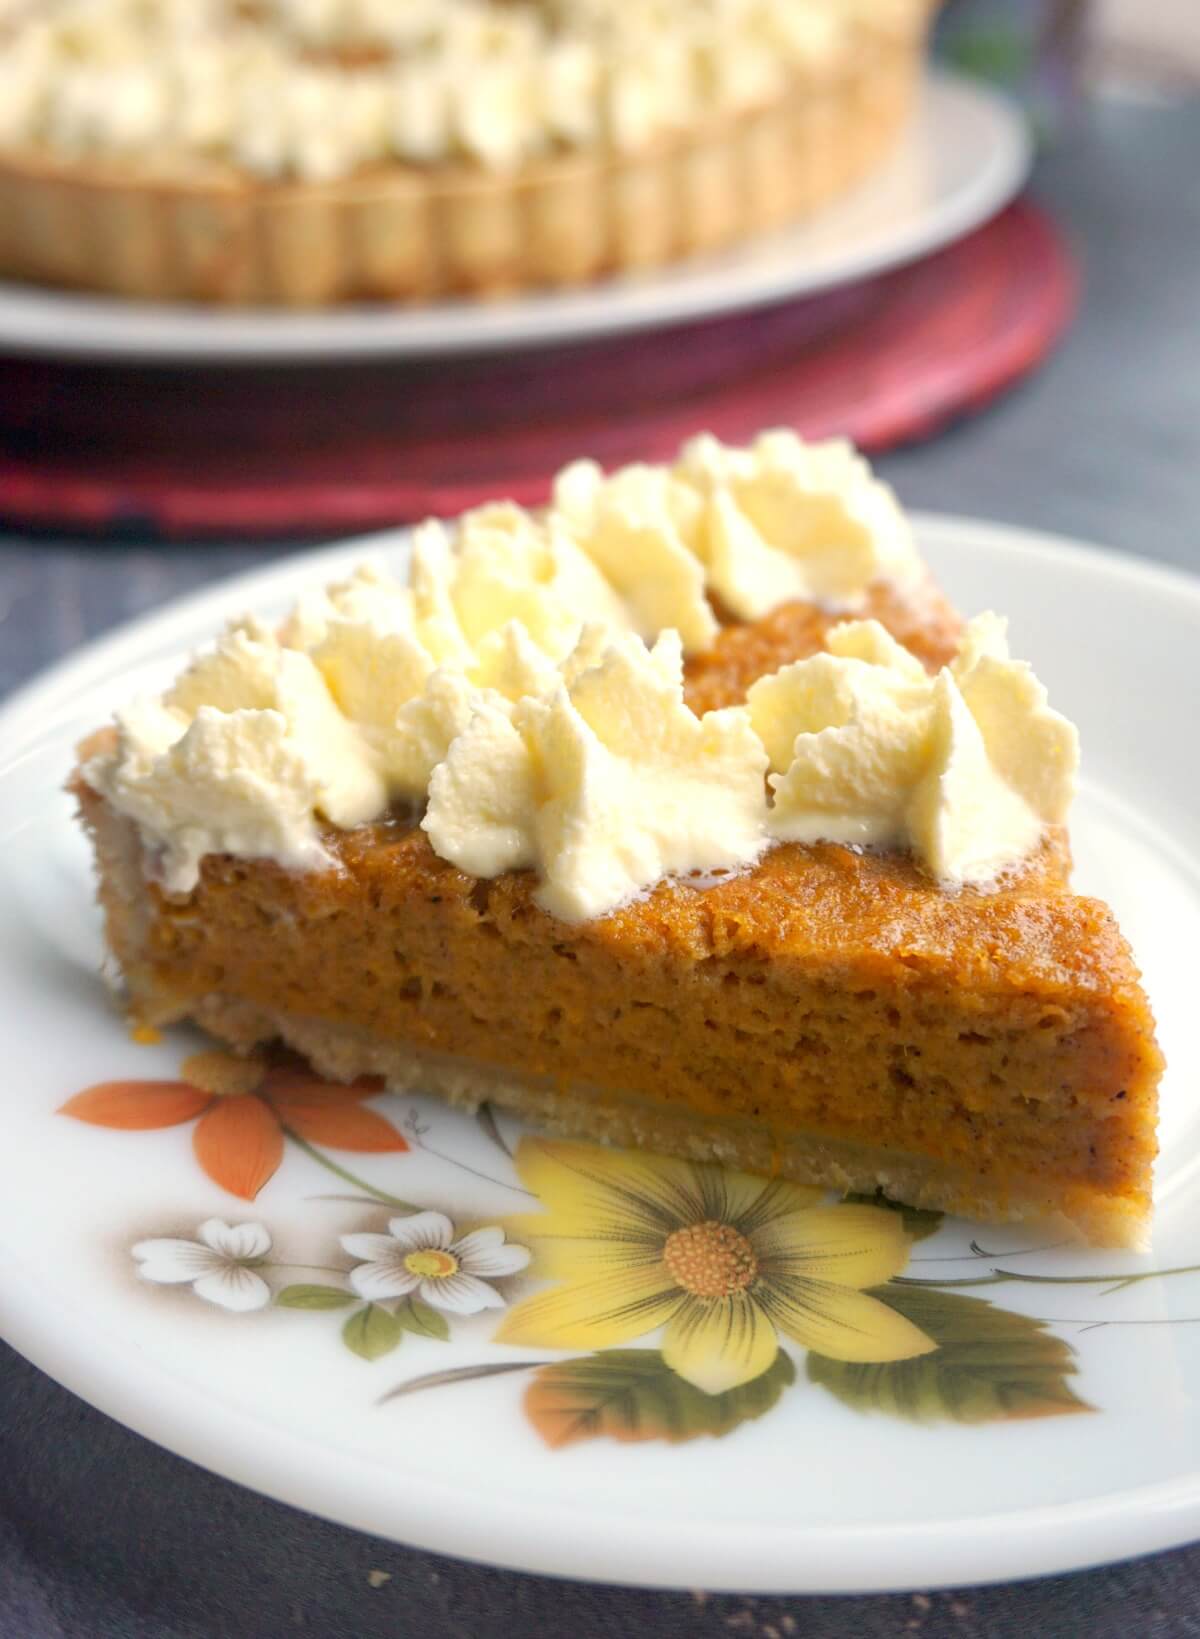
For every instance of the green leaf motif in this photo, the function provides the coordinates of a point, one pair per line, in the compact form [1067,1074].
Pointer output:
[372,1332]
[632,1394]
[418,1317]
[991,1365]
[917,1222]
[303,1296]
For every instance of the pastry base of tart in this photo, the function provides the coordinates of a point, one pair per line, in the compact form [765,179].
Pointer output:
[402,233]
[827,1015]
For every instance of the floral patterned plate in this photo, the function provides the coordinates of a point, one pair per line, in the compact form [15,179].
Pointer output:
[563,1358]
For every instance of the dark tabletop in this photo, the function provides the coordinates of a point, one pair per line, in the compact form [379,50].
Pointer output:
[103,1536]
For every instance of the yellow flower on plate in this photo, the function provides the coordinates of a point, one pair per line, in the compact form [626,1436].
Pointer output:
[722,1261]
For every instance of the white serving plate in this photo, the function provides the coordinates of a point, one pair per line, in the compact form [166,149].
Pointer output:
[1087,1446]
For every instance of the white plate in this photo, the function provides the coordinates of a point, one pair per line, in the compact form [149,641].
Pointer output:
[964,155]
[815,1494]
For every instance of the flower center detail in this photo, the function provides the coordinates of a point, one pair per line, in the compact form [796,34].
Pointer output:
[710,1260]
[431,1264]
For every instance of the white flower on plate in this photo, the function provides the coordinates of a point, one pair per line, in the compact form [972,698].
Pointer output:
[420,1254]
[218,1266]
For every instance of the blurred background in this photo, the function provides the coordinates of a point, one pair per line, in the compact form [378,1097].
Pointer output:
[889,315]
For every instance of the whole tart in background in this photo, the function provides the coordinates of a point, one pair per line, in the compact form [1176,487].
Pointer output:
[309,152]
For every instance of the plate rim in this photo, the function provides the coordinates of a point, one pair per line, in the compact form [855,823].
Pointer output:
[1015,1544]
[54,324]
[528,1534]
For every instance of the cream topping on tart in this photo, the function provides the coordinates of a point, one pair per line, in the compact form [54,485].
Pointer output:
[240,757]
[604,783]
[508,686]
[318,89]
[757,526]
[645,548]
[965,770]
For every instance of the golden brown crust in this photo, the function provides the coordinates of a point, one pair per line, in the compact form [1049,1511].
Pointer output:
[406,234]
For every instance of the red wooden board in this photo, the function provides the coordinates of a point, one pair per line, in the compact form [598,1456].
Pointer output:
[315,450]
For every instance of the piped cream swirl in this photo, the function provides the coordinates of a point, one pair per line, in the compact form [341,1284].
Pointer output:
[966,770]
[523,687]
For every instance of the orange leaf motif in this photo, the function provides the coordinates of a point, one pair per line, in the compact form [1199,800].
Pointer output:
[334,1115]
[239,1144]
[340,1123]
[137,1106]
